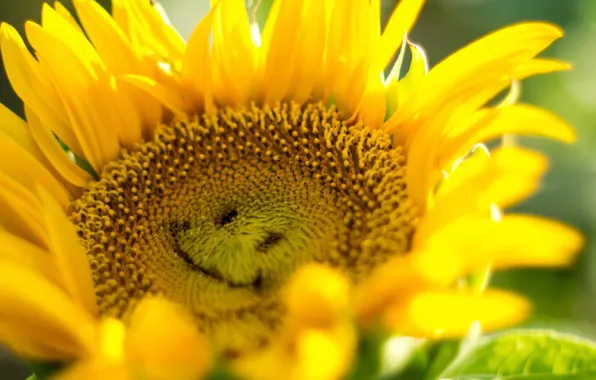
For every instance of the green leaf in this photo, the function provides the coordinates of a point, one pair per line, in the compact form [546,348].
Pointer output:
[526,355]
[44,370]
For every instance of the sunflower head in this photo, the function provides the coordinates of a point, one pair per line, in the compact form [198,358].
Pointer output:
[207,172]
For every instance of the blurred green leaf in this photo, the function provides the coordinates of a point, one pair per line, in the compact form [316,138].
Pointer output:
[526,355]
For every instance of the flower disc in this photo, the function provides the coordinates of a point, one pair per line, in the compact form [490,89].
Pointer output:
[219,210]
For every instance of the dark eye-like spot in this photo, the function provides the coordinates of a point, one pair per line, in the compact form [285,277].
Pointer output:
[178,226]
[257,284]
[271,239]
[227,217]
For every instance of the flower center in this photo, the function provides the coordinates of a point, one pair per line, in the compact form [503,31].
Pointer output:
[219,210]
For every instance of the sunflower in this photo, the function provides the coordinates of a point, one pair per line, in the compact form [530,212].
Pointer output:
[206,172]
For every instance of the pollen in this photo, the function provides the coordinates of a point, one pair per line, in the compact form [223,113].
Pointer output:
[219,210]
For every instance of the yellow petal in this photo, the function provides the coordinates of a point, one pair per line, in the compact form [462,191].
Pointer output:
[96,370]
[25,168]
[317,295]
[163,342]
[156,32]
[196,75]
[69,255]
[515,240]
[451,314]
[519,119]
[108,39]
[281,51]
[510,176]
[391,281]
[29,82]
[59,27]
[65,13]
[232,44]
[21,214]
[18,251]
[38,320]
[399,24]
[14,128]
[54,152]
[87,94]
[311,49]
[488,60]
[167,97]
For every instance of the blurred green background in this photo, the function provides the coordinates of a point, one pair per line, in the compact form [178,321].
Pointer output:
[563,298]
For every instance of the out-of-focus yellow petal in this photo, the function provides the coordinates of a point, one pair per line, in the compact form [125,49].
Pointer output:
[450,314]
[21,213]
[510,176]
[18,251]
[26,169]
[320,356]
[96,370]
[163,343]
[513,241]
[69,255]
[65,13]
[316,295]
[50,326]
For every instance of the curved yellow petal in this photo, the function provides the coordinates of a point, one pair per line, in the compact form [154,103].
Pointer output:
[515,240]
[54,152]
[29,82]
[490,59]
[508,177]
[310,53]
[232,43]
[65,13]
[14,128]
[164,343]
[317,295]
[399,24]
[38,320]
[86,94]
[451,314]
[20,211]
[70,257]
[484,125]
[167,97]
[25,167]
[282,52]
[196,76]
[108,39]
